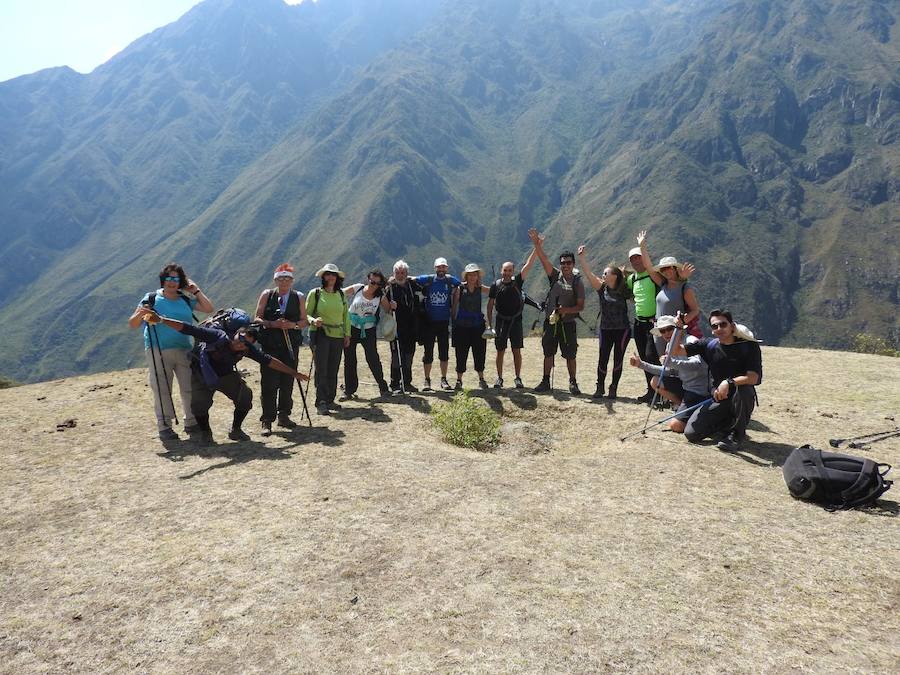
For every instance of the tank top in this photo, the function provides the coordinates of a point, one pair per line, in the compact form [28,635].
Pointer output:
[468,313]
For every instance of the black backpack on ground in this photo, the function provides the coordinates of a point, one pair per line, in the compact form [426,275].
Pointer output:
[834,480]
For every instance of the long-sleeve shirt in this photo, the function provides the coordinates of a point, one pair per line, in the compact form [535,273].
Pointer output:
[221,358]
[691,370]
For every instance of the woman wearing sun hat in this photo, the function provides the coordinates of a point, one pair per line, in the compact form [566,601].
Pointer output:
[281,312]
[329,334]
[469,324]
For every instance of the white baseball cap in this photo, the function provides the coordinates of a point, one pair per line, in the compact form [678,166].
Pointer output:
[440,261]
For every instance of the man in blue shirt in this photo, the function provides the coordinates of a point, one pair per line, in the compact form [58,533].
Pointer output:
[438,291]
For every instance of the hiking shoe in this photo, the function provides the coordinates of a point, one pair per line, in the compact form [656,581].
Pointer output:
[458,386]
[206,437]
[499,383]
[168,434]
[446,385]
[411,389]
[518,383]
[483,383]
[599,392]
[646,398]
[544,385]
[286,422]
[238,435]
[426,386]
[730,443]
[573,388]
[322,408]
[335,406]
[192,429]
[266,428]
[612,392]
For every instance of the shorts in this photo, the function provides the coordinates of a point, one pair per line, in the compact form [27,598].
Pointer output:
[563,336]
[436,331]
[509,330]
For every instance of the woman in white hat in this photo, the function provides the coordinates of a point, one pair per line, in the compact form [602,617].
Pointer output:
[469,324]
[329,334]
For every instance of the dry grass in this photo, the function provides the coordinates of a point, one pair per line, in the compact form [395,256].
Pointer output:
[367,544]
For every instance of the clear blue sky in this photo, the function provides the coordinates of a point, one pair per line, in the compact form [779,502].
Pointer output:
[81,34]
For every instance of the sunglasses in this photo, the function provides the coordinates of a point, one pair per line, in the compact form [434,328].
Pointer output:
[171,278]
[716,325]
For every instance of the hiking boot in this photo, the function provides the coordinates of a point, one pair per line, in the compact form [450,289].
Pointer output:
[168,434]
[192,429]
[446,385]
[573,388]
[346,397]
[322,408]
[612,392]
[599,391]
[335,406]
[544,385]
[646,398]
[458,386]
[499,383]
[383,390]
[411,389]
[426,385]
[483,383]
[286,422]
[518,383]
[730,443]
[266,428]
[237,434]
[206,437]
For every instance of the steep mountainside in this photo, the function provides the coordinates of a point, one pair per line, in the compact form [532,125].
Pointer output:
[756,138]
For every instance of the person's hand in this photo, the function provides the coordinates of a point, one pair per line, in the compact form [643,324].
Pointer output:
[346,341]
[317,322]
[300,377]
[581,250]
[642,238]
[191,287]
[635,360]
[679,320]
[149,316]
[687,270]
[721,392]
[533,236]
[393,305]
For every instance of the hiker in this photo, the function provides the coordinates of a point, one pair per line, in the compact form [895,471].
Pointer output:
[329,334]
[506,296]
[281,311]
[469,324]
[366,302]
[167,350]
[612,321]
[686,380]
[643,285]
[402,292]
[564,303]
[675,294]
[735,365]
[437,289]
[215,368]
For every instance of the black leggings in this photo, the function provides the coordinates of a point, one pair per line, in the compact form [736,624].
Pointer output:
[643,340]
[612,339]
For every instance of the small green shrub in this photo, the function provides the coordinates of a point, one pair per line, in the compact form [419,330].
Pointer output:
[467,422]
[864,343]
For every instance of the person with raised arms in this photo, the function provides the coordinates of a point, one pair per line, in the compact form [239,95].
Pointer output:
[564,304]
[506,296]
[438,291]
[367,301]
[612,324]
[329,334]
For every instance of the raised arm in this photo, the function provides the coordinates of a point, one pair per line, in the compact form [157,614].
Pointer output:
[538,242]
[204,304]
[528,263]
[658,278]
[596,281]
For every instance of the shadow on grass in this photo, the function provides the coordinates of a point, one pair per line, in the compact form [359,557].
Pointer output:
[249,451]
[371,413]
[416,403]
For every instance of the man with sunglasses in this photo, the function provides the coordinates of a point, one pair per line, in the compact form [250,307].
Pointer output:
[565,301]
[735,366]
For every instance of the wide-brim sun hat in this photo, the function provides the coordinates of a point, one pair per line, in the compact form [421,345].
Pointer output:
[472,268]
[669,261]
[330,267]
[665,321]
[438,262]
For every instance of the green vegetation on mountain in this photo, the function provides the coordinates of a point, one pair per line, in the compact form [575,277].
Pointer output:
[756,138]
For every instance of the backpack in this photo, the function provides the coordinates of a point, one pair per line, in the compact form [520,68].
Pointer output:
[835,480]
[151,302]
[229,320]
[522,300]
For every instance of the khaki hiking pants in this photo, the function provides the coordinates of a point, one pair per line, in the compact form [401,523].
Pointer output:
[175,364]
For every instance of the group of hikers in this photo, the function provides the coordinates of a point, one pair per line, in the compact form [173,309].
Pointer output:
[710,382]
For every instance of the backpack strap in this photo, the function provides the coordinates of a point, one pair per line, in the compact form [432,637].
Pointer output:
[151,303]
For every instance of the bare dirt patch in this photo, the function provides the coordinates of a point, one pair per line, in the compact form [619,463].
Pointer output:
[368,544]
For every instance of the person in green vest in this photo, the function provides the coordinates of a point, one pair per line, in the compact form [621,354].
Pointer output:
[329,334]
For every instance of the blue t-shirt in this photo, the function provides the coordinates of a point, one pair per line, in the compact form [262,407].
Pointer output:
[177,309]
[438,295]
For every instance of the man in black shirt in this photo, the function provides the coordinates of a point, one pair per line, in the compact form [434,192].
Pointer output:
[735,366]
[402,289]
[215,370]
[506,297]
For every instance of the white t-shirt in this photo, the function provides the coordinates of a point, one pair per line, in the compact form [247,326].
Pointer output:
[362,306]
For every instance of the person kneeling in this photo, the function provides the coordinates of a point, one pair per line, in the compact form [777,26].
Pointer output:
[735,365]
[215,368]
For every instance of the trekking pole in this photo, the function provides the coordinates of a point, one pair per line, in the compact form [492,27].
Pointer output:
[835,442]
[165,375]
[296,357]
[662,373]
[666,419]
[862,444]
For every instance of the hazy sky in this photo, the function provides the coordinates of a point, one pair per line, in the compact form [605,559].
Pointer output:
[81,34]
